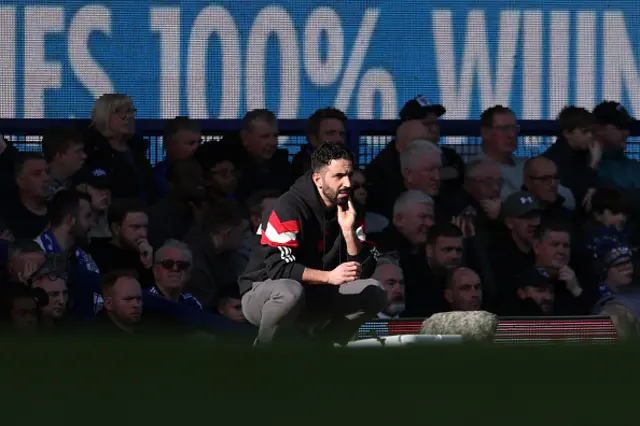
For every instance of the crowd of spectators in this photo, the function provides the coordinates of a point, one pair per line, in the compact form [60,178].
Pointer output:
[230,237]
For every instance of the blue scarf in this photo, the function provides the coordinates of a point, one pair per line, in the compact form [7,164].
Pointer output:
[605,291]
[51,246]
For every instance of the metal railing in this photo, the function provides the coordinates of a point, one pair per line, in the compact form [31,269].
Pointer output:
[365,137]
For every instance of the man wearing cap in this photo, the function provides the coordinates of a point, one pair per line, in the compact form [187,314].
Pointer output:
[613,124]
[535,295]
[95,183]
[618,298]
[511,252]
[419,120]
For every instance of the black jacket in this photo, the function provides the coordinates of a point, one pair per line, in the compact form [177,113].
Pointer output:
[573,168]
[301,233]
[129,177]
[274,174]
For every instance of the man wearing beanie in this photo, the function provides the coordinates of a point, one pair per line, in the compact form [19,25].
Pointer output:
[619,299]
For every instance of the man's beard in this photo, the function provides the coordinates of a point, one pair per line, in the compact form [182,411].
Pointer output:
[80,237]
[332,195]
[394,308]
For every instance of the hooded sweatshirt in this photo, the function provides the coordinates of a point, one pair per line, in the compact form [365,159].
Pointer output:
[300,232]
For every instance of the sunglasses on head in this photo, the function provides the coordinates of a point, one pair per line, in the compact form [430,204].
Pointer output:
[179,265]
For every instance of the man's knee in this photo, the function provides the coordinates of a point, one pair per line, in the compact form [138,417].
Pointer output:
[289,292]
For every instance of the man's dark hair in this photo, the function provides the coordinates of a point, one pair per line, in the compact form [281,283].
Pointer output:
[58,140]
[172,127]
[120,208]
[313,125]
[109,280]
[211,154]
[254,202]
[447,230]
[609,199]
[328,152]
[221,215]
[486,118]
[552,225]
[573,117]
[23,158]
[65,203]
[258,115]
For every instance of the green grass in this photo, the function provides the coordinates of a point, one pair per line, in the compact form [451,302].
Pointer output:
[182,382]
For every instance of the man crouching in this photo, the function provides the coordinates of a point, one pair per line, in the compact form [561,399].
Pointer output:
[313,262]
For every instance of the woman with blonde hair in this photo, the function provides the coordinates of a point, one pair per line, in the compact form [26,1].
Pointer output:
[111,145]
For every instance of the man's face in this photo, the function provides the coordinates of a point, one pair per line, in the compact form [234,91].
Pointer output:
[543,296]
[580,138]
[232,238]
[432,124]
[523,228]
[58,294]
[425,176]
[414,223]
[73,159]
[392,279]
[541,180]
[133,230]
[24,313]
[330,130]
[183,144]
[410,131]
[125,301]
[486,183]
[223,178]
[82,222]
[34,179]
[261,140]
[612,137]
[465,293]
[620,274]
[172,269]
[334,181]
[100,198]
[359,185]
[553,251]
[609,219]
[502,137]
[446,253]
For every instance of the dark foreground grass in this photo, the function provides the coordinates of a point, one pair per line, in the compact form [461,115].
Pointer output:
[182,382]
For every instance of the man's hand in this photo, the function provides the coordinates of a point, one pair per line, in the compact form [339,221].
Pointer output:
[30,267]
[344,273]
[567,275]
[466,226]
[595,154]
[346,216]
[491,208]
[146,253]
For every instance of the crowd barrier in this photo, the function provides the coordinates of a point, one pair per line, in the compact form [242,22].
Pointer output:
[365,137]
[591,329]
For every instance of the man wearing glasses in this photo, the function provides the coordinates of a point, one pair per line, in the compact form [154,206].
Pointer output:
[53,296]
[172,269]
[500,131]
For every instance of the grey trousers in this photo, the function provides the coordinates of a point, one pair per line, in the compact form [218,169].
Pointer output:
[275,303]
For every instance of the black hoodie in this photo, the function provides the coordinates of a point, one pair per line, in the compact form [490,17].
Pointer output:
[300,232]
